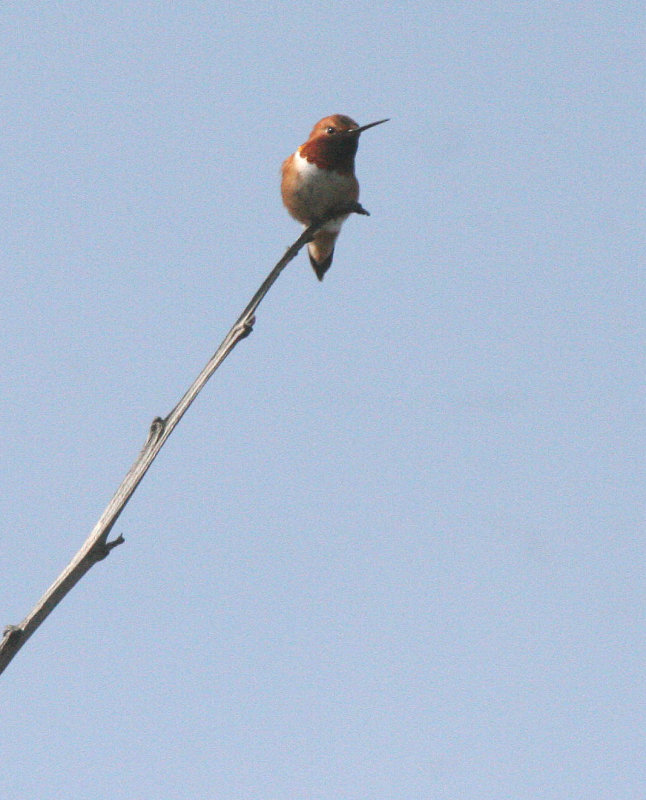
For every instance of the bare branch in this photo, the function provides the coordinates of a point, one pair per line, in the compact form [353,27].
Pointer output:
[96,547]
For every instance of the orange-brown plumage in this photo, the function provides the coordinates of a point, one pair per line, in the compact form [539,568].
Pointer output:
[318,178]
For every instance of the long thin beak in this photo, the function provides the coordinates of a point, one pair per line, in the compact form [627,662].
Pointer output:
[365,127]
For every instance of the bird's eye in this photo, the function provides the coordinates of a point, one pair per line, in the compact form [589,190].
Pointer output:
[330,130]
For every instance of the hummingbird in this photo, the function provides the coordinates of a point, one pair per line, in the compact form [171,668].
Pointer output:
[319,177]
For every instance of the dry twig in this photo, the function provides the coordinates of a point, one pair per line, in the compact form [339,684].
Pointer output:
[96,547]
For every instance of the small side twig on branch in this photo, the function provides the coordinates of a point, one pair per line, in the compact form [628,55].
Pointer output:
[96,547]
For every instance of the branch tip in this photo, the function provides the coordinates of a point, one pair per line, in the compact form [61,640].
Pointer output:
[357,208]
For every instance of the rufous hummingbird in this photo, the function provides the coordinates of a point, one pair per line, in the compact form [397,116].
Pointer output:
[319,177]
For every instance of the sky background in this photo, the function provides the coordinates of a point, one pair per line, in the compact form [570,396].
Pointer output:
[396,548]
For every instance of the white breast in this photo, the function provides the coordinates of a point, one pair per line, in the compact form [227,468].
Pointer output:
[321,189]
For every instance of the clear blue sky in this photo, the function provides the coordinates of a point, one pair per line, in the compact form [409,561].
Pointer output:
[396,549]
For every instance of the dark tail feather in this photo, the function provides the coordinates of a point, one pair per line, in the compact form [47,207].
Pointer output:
[321,267]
